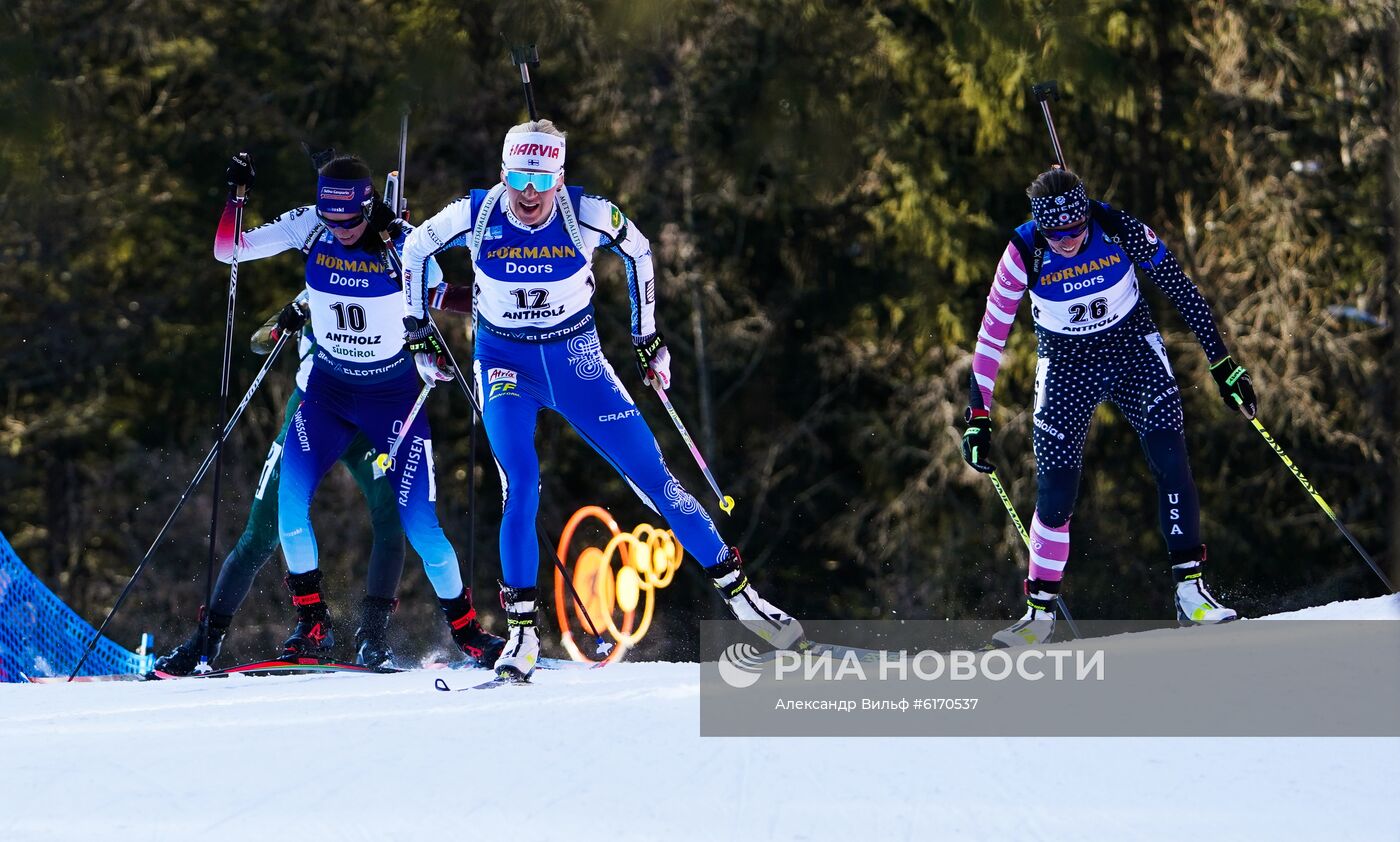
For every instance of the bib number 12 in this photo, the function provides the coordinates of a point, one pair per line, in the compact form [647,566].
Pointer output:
[539,298]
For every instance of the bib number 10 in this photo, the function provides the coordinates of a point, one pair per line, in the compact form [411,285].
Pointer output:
[349,316]
[1096,309]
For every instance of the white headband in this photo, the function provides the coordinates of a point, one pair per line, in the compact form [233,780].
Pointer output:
[533,151]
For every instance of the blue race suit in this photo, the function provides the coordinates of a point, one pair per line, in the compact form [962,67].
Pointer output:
[537,347]
[361,380]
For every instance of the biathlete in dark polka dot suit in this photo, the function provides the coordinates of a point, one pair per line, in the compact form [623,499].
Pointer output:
[1080,260]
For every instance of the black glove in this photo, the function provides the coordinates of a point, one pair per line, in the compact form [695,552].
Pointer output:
[1236,387]
[240,172]
[977,440]
[420,336]
[421,339]
[380,218]
[292,318]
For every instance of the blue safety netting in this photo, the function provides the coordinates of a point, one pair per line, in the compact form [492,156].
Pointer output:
[42,636]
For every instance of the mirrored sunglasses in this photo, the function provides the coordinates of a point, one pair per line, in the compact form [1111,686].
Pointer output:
[541,181]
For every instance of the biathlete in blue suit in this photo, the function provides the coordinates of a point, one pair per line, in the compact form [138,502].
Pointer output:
[532,242]
[362,380]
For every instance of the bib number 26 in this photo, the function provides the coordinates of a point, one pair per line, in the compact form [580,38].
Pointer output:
[1096,309]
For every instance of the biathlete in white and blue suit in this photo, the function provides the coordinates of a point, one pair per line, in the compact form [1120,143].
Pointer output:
[532,242]
[362,380]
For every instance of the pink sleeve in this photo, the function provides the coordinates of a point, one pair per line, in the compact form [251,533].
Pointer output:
[223,238]
[1007,289]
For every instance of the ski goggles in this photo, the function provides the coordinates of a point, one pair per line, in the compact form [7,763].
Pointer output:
[343,224]
[1067,233]
[543,182]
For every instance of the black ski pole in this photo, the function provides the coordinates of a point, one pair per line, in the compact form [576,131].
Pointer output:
[471,503]
[1044,93]
[194,482]
[242,193]
[524,57]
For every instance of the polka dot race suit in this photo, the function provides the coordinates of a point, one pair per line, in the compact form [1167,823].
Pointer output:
[537,348]
[1097,342]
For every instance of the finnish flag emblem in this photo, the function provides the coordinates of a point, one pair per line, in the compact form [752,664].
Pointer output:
[532,162]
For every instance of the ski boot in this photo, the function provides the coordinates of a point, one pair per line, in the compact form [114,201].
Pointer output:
[183,659]
[312,637]
[1038,623]
[372,637]
[522,648]
[756,613]
[479,644]
[1194,604]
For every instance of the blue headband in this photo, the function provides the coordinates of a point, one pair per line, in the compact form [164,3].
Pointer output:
[342,195]
[1059,211]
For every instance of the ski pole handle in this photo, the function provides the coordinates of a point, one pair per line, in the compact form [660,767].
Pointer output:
[726,503]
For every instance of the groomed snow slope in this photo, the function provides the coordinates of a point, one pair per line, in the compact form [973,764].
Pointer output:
[615,754]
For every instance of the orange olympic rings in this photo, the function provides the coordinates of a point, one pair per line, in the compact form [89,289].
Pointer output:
[649,559]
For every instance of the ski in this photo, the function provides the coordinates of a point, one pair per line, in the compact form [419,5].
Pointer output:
[283,666]
[501,681]
[286,666]
[505,678]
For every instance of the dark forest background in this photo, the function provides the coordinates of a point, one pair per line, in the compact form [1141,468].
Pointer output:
[827,187]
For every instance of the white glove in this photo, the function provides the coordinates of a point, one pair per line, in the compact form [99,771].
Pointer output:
[432,368]
[653,359]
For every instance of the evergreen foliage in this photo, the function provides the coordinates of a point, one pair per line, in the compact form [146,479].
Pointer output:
[827,188]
